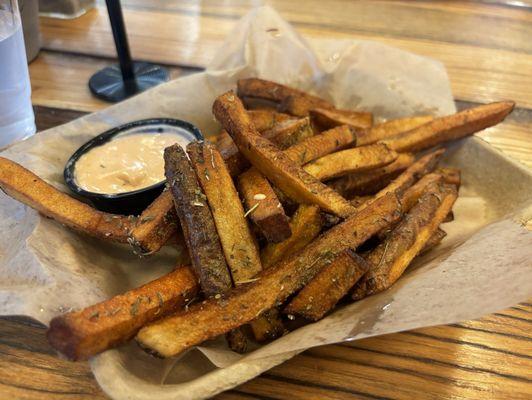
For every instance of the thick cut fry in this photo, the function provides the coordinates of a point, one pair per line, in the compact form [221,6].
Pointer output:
[268,326]
[418,169]
[434,240]
[301,106]
[253,183]
[306,225]
[358,159]
[323,292]
[320,145]
[238,244]
[278,93]
[26,187]
[197,223]
[451,176]
[283,134]
[155,226]
[451,127]
[275,165]
[391,128]
[81,334]
[329,118]
[390,259]
[288,133]
[264,208]
[214,317]
[370,182]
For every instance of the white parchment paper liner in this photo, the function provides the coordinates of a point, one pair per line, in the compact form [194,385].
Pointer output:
[482,266]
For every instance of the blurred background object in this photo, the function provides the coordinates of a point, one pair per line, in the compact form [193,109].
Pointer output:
[64,8]
[29,12]
[118,82]
[17,121]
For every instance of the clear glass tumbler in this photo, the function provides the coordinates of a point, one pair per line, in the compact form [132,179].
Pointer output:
[17,121]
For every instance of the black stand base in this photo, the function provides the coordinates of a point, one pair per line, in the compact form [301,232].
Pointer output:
[109,85]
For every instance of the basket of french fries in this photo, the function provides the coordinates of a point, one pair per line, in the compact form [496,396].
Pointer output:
[251,260]
[295,216]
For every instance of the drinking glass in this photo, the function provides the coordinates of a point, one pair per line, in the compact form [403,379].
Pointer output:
[17,121]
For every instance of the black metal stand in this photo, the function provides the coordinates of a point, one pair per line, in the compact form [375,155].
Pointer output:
[118,82]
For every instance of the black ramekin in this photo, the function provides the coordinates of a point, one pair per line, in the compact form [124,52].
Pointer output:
[128,203]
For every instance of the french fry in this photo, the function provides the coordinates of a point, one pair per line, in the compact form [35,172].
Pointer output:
[451,127]
[283,134]
[434,240]
[327,118]
[26,187]
[370,182]
[155,226]
[358,159]
[415,171]
[288,133]
[322,293]
[197,222]
[390,259]
[269,217]
[391,128]
[264,208]
[360,290]
[320,145]
[451,176]
[213,317]
[268,326]
[269,160]
[277,93]
[305,225]
[238,244]
[79,335]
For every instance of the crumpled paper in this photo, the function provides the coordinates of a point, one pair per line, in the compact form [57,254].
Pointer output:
[482,266]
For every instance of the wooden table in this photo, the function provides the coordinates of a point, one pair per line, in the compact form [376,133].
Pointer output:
[487,49]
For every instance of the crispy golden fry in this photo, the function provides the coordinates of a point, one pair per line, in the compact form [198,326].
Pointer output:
[81,334]
[306,225]
[411,196]
[322,293]
[26,187]
[370,182]
[268,326]
[283,134]
[434,240]
[421,167]
[392,128]
[320,145]
[390,259]
[264,208]
[197,223]
[451,176]
[237,340]
[238,244]
[358,159]
[155,226]
[288,133]
[275,165]
[449,217]
[277,93]
[451,127]
[269,217]
[301,106]
[329,118]
[214,317]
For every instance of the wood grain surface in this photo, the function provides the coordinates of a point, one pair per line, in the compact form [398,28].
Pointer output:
[486,48]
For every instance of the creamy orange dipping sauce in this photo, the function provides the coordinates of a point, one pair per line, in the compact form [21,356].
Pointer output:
[127,163]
